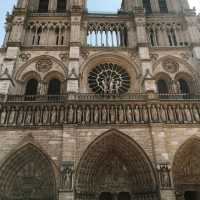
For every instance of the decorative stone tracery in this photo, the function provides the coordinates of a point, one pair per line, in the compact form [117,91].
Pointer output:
[114,163]
[186,169]
[27,174]
[109,79]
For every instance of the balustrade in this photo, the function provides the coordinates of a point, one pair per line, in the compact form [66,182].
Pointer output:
[107,35]
[167,34]
[43,33]
[56,111]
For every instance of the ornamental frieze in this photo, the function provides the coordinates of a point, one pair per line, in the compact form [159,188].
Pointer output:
[53,114]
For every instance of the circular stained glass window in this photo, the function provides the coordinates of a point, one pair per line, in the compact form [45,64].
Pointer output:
[109,79]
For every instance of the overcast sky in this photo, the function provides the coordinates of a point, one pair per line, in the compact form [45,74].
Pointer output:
[95,5]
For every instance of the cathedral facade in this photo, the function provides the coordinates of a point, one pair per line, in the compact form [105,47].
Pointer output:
[100,106]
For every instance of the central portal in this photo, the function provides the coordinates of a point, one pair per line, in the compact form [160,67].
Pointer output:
[114,167]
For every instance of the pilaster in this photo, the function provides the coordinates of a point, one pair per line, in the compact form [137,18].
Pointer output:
[163,164]
[75,44]
[193,32]
[143,48]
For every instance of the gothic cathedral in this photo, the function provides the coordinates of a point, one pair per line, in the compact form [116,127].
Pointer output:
[100,106]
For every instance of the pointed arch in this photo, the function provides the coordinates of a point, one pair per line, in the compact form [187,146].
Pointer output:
[21,70]
[186,166]
[125,62]
[27,173]
[189,67]
[115,163]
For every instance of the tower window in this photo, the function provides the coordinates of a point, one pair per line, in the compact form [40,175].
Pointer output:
[147,6]
[54,87]
[184,87]
[31,90]
[61,5]
[31,87]
[43,6]
[162,87]
[163,6]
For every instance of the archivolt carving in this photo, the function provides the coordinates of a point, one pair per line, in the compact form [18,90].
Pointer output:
[23,69]
[114,163]
[44,65]
[177,60]
[28,174]
[170,66]
[186,169]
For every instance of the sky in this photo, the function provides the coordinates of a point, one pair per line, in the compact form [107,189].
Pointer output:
[93,5]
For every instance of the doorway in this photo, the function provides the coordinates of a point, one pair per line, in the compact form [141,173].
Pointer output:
[192,195]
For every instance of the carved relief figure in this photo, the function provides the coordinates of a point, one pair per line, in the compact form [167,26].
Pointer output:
[67,177]
[70,114]
[96,114]
[87,115]
[104,114]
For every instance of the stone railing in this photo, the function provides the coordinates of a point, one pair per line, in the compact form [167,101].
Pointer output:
[74,109]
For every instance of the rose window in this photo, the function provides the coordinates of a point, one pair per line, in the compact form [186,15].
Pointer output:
[109,79]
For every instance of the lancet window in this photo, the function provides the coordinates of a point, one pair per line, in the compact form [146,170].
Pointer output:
[163,6]
[147,6]
[107,35]
[169,34]
[184,87]
[162,87]
[43,6]
[54,87]
[31,87]
[61,5]
[47,34]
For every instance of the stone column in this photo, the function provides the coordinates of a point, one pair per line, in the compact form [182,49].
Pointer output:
[22,3]
[75,44]
[68,164]
[161,154]
[155,6]
[193,33]
[143,50]
[52,5]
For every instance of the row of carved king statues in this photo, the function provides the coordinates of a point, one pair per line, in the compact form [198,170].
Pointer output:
[58,114]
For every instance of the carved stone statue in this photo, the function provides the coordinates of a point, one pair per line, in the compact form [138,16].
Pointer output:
[11,119]
[104,114]
[129,114]
[145,114]
[37,116]
[54,115]
[188,116]
[196,113]
[71,115]
[163,115]
[112,115]
[79,115]
[61,114]
[3,115]
[67,171]
[20,116]
[28,116]
[171,114]
[121,114]
[45,115]
[96,114]
[154,114]
[87,115]
[137,114]
[164,176]
[179,114]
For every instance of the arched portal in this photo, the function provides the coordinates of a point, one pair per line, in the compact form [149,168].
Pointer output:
[27,174]
[115,166]
[186,170]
